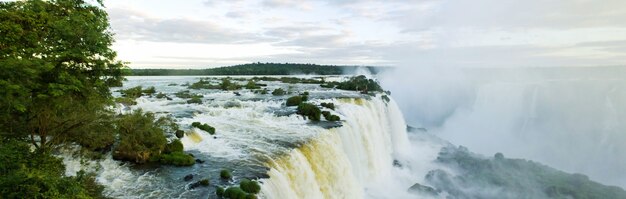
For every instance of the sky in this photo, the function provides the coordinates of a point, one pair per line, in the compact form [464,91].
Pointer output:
[409,33]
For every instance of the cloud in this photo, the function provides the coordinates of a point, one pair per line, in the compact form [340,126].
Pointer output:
[133,24]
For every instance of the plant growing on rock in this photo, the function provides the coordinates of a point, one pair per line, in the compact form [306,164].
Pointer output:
[204,127]
[309,111]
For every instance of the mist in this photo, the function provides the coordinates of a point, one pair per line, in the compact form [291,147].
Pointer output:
[567,118]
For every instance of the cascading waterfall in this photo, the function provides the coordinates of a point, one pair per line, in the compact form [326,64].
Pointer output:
[340,162]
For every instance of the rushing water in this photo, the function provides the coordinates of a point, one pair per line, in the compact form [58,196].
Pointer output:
[257,137]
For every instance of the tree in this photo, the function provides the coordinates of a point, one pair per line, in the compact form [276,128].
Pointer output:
[56,67]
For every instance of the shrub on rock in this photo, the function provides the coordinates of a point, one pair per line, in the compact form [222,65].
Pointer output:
[278,91]
[204,127]
[294,101]
[177,158]
[309,111]
[225,174]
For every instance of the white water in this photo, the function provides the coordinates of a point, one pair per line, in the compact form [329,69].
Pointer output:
[568,118]
[353,161]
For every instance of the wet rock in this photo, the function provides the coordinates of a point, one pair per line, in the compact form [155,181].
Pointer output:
[397,163]
[168,98]
[237,93]
[188,177]
[417,188]
[199,161]
[214,137]
[180,133]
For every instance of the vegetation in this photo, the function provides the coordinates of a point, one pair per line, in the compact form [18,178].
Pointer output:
[205,127]
[177,159]
[174,146]
[330,117]
[309,111]
[259,69]
[252,85]
[234,193]
[227,85]
[385,98]
[161,95]
[278,92]
[195,100]
[141,138]
[329,105]
[250,186]
[225,174]
[204,182]
[295,100]
[219,191]
[512,178]
[203,84]
[56,70]
[186,94]
[289,80]
[360,83]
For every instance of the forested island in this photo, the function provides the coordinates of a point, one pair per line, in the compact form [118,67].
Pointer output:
[259,68]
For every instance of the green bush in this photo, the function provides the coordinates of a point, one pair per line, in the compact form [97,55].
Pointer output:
[309,111]
[133,92]
[140,137]
[329,105]
[225,174]
[204,182]
[251,196]
[250,186]
[195,100]
[228,85]
[235,193]
[174,146]
[186,94]
[252,85]
[385,98]
[360,83]
[219,191]
[294,101]
[330,117]
[203,84]
[278,92]
[204,127]
[126,101]
[149,91]
[177,158]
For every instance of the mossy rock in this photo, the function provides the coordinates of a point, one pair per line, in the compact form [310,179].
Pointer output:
[250,186]
[330,106]
[278,92]
[309,111]
[180,133]
[177,159]
[294,101]
[175,146]
[219,191]
[205,127]
[225,174]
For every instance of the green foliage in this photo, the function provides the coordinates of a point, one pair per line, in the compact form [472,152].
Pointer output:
[259,69]
[126,101]
[278,92]
[219,191]
[330,117]
[177,159]
[385,98]
[360,83]
[309,111]
[225,174]
[161,95]
[250,186]
[294,101]
[205,127]
[194,100]
[204,182]
[203,84]
[132,93]
[235,193]
[149,91]
[329,105]
[26,174]
[228,85]
[174,146]
[186,94]
[252,85]
[140,136]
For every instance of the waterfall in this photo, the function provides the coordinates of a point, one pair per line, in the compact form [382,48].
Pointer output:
[341,162]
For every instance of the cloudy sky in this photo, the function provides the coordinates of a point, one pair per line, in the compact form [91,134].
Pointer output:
[410,33]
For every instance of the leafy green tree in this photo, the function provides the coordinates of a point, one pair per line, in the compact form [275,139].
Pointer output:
[56,67]
[141,138]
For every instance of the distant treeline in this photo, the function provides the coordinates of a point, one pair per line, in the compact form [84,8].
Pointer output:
[261,69]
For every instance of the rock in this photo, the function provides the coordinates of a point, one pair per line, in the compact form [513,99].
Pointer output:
[199,161]
[188,177]
[168,98]
[237,93]
[396,163]
[214,137]
[194,185]
[417,188]
[180,133]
